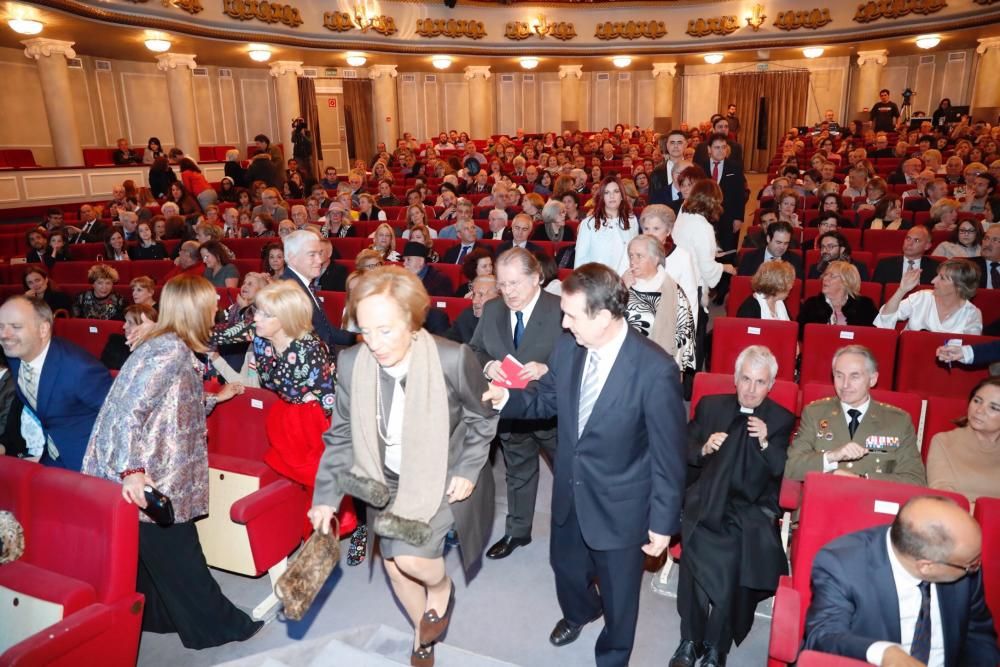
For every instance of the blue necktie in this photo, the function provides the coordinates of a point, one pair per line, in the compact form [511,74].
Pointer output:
[920,648]
[462,253]
[518,329]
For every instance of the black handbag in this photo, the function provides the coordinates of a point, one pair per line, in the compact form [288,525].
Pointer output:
[158,507]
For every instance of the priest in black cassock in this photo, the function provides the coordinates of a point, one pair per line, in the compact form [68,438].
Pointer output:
[732,555]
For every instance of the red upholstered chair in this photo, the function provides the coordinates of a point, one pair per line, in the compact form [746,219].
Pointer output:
[452,305]
[988,301]
[816,659]
[918,370]
[71,599]
[831,506]
[91,335]
[785,392]
[987,513]
[884,241]
[452,271]
[730,335]
[333,305]
[255,516]
[821,341]
[941,413]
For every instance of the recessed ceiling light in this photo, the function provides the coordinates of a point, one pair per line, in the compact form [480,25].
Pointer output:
[812,51]
[928,41]
[529,63]
[356,59]
[158,45]
[621,61]
[259,53]
[441,62]
[25,26]
[713,58]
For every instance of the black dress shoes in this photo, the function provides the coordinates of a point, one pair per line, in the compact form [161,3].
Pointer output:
[505,546]
[712,657]
[564,633]
[686,655]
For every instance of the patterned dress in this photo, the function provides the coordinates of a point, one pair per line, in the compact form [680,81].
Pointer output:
[641,310]
[87,305]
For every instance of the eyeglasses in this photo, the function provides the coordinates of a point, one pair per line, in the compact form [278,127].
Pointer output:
[510,284]
[967,231]
[971,568]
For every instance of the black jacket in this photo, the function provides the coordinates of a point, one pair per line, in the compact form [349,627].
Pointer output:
[859,311]
[890,270]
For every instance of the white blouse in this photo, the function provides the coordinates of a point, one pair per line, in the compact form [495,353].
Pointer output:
[694,233]
[781,313]
[607,245]
[680,266]
[920,314]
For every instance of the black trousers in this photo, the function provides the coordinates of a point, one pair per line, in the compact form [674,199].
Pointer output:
[591,582]
[181,595]
[520,455]
[700,620]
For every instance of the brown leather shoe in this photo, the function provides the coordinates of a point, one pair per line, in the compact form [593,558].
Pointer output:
[422,657]
[432,624]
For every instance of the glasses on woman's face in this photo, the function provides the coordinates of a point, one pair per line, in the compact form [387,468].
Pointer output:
[967,230]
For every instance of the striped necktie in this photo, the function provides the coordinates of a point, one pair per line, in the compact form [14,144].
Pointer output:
[589,390]
[27,382]
[920,648]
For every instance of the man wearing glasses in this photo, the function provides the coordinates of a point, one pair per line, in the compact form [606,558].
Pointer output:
[910,594]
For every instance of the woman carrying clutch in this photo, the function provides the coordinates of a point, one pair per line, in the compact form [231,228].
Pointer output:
[411,436]
[151,431]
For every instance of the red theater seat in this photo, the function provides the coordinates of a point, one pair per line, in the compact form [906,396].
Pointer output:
[785,393]
[941,413]
[730,335]
[821,341]
[987,513]
[91,335]
[918,370]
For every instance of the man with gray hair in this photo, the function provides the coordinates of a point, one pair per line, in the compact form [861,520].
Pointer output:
[304,257]
[579,181]
[851,433]
[732,549]
[483,289]
[129,221]
[499,231]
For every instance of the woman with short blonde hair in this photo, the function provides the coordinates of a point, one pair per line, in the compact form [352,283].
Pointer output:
[100,302]
[771,285]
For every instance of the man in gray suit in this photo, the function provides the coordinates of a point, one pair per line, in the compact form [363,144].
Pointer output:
[525,324]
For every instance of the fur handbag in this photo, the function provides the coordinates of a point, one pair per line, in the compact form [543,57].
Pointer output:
[299,585]
[11,538]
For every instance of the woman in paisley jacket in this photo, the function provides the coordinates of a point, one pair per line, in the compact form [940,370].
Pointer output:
[151,431]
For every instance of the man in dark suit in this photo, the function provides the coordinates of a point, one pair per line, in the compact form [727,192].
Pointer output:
[520,230]
[619,471]
[989,259]
[728,173]
[910,594]
[661,181]
[91,229]
[833,247]
[61,386]
[719,126]
[465,230]
[732,550]
[916,244]
[935,190]
[524,324]
[334,276]
[304,264]
[779,237]
[463,328]
[415,260]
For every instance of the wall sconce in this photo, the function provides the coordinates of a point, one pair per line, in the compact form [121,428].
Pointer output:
[621,61]
[812,51]
[25,26]
[259,53]
[529,63]
[441,62]
[928,41]
[356,59]
[713,58]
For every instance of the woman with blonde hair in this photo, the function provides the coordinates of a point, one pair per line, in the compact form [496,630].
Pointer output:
[384,243]
[840,300]
[100,302]
[422,234]
[771,285]
[945,309]
[944,215]
[151,433]
[143,291]
[410,437]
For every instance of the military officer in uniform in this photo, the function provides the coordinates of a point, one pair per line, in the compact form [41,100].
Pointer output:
[853,435]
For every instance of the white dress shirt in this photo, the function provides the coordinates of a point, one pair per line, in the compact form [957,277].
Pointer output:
[909,597]
[781,313]
[920,314]
[607,354]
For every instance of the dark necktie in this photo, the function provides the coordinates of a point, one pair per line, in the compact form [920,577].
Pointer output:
[920,648]
[994,275]
[462,253]
[518,329]
[855,420]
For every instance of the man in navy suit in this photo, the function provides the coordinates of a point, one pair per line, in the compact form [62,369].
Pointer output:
[728,173]
[620,465]
[61,386]
[304,258]
[520,229]
[916,245]
[907,595]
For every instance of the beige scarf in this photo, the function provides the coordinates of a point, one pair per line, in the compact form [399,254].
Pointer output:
[424,469]
[664,329]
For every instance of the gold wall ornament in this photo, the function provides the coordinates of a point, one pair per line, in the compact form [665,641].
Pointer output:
[343,22]
[338,21]
[717,25]
[453,28]
[268,12]
[519,30]
[894,9]
[756,19]
[630,30]
[810,19]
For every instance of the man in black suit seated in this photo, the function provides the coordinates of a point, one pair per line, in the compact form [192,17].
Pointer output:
[882,149]
[779,236]
[465,231]
[989,259]
[499,230]
[415,261]
[334,276]
[833,247]
[484,288]
[910,594]
[916,244]
[89,229]
[732,550]
[935,190]
[124,155]
[907,172]
[728,173]
[520,230]
[758,237]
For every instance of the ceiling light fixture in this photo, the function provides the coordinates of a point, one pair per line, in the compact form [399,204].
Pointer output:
[356,59]
[25,26]
[621,61]
[158,45]
[713,58]
[441,62]
[928,41]
[529,63]
[259,53]
[812,51]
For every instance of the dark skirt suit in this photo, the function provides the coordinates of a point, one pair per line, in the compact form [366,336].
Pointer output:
[472,426]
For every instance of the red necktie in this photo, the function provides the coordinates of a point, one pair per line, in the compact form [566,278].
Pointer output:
[715,171]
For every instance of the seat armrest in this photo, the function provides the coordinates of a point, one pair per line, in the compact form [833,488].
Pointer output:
[267,499]
[790,496]
[786,623]
[55,641]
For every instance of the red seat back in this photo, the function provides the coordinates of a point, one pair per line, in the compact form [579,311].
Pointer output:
[731,335]
[942,411]
[236,427]
[452,305]
[885,241]
[784,392]
[15,491]
[91,335]
[918,370]
[821,341]
[987,513]
[333,305]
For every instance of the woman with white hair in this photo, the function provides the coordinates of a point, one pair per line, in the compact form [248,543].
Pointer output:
[658,220]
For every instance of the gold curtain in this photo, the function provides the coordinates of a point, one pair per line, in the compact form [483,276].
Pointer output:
[786,93]
[358,119]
